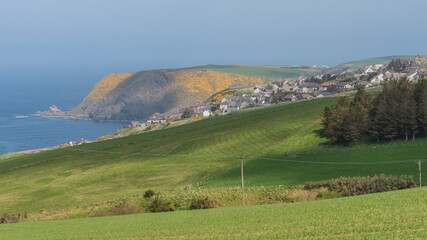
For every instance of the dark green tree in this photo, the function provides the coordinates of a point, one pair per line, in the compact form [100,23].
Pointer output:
[420,99]
[187,113]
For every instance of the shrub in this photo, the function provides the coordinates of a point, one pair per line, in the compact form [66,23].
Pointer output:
[159,205]
[351,186]
[7,218]
[149,193]
[202,203]
[124,209]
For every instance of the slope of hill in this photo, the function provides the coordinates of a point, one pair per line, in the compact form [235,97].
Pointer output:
[391,215]
[139,95]
[200,152]
[269,72]
[377,60]
[100,90]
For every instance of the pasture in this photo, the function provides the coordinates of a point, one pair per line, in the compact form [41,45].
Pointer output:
[391,215]
[269,72]
[159,160]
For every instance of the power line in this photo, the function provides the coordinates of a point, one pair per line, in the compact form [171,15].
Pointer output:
[227,156]
[336,163]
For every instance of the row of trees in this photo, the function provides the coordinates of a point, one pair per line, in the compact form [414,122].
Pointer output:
[399,111]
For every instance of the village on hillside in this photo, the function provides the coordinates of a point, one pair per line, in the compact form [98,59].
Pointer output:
[303,88]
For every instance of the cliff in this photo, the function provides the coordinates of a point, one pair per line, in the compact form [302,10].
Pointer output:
[130,96]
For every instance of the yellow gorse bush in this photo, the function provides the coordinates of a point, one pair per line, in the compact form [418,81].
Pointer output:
[106,85]
[200,85]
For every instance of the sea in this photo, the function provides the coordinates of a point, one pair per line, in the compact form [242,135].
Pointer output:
[22,94]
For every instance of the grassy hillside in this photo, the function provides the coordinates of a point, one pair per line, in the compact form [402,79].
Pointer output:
[270,72]
[377,60]
[281,142]
[111,169]
[318,163]
[392,215]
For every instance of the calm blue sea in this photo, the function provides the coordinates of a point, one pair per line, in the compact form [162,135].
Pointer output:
[22,96]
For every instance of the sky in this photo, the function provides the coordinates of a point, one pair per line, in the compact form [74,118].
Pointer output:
[90,39]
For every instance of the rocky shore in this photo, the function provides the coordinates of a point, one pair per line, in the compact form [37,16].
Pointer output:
[54,111]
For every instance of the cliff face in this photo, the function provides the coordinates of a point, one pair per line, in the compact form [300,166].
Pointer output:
[139,95]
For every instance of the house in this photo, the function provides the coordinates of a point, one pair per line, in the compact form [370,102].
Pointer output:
[302,79]
[308,87]
[329,83]
[349,72]
[369,69]
[175,114]
[395,76]
[229,110]
[240,105]
[412,75]
[158,118]
[293,89]
[324,86]
[289,98]
[82,141]
[207,113]
[135,124]
[378,79]
[224,105]
[305,96]
[345,85]
[286,87]
[259,89]
[363,84]
[200,108]
[421,60]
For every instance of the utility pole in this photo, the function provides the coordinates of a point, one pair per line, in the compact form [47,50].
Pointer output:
[419,169]
[243,181]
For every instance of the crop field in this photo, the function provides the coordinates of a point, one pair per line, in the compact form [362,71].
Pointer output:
[159,160]
[392,215]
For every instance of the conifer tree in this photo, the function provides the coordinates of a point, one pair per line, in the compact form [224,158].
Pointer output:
[420,99]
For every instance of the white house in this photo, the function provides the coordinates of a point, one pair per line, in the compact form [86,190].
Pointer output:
[378,79]
[259,89]
[207,113]
[345,85]
[413,75]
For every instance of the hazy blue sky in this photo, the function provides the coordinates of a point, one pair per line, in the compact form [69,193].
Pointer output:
[121,36]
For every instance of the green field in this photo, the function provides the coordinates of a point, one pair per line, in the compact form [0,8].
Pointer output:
[281,142]
[269,72]
[158,160]
[392,215]
[313,164]
[376,60]
[274,72]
